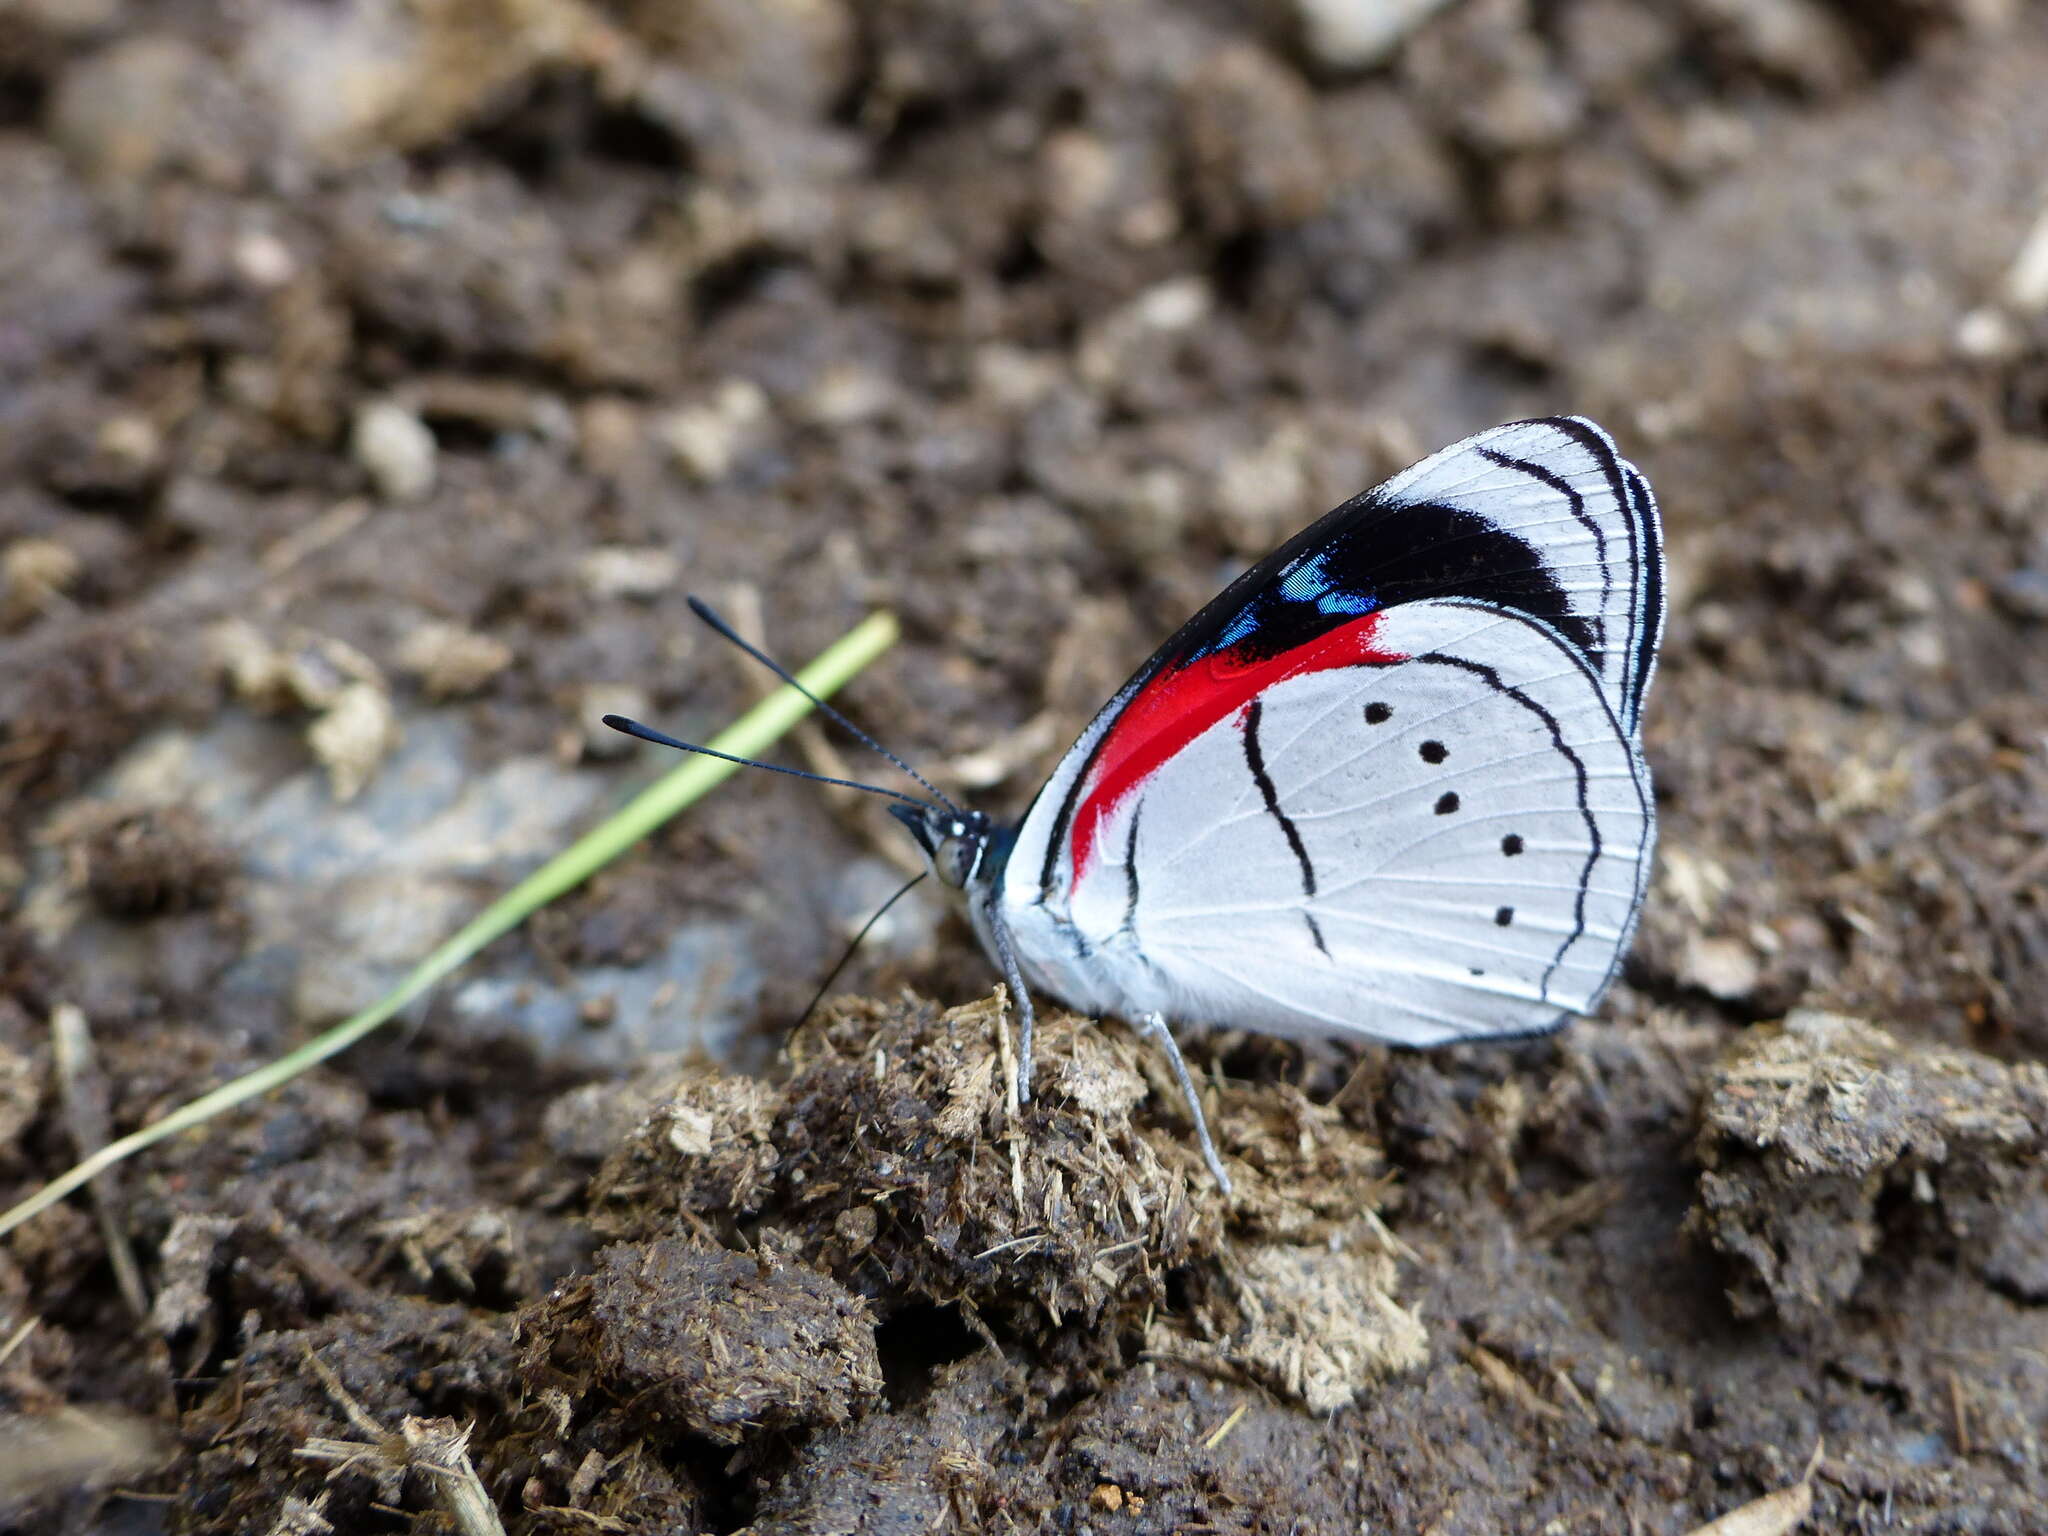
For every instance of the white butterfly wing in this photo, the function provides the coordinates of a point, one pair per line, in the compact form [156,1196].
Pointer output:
[1441,847]
[1559,485]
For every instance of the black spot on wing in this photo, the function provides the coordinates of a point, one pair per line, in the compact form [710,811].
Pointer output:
[1506,915]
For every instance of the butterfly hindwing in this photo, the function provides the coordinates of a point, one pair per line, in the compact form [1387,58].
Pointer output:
[1435,834]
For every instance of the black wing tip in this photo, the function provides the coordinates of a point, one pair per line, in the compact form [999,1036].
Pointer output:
[1564,421]
[1583,430]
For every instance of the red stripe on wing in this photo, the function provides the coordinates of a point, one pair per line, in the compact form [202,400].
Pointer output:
[1178,704]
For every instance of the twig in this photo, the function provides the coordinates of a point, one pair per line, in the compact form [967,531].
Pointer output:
[434,1446]
[1226,1427]
[1008,1056]
[442,1450]
[1563,1213]
[1570,1390]
[84,1090]
[1505,1380]
[358,1417]
[330,527]
[16,1339]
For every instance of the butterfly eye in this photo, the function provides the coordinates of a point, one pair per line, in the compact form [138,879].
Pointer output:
[958,855]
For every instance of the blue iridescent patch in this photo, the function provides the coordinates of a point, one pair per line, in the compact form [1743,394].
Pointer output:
[1246,622]
[1309,584]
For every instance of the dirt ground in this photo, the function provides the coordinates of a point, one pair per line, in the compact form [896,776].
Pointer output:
[377,380]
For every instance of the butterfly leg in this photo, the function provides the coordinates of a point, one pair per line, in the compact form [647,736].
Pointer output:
[1006,956]
[1154,1024]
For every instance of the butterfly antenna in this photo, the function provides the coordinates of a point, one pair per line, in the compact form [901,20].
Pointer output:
[725,631]
[832,975]
[662,739]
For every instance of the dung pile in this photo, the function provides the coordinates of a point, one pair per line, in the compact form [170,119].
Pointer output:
[863,1280]
[1819,1133]
[894,1161]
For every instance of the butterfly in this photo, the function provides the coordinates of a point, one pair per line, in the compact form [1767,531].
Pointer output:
[1388,785]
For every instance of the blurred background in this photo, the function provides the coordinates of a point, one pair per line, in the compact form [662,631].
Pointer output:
[378,377]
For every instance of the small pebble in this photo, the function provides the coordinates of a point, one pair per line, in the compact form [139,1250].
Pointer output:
[623,570]
[706,440]
[34,573]
[2024,594]
[1724,968]
[1986,334]
[451,661]
[1152,512]
[1013,379]
[354,736]
[319,669]
[846,395]
[396,450]
[264,261]
[1167,309]
[132,439]
[607,432]
[1260,495]
[1077,174]
[856,1227]
[1356,34]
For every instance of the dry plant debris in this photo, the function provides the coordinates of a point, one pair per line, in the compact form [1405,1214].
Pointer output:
[1777,1513]
[1807,1125]
[72,1448]
[698,1339]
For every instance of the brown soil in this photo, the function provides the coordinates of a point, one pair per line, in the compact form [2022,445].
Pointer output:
[375,383]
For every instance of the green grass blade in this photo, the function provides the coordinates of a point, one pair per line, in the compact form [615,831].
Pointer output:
[749,736]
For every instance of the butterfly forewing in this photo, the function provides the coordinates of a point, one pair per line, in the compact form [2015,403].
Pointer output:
[1543,517]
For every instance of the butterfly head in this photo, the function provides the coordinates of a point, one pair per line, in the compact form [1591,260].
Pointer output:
[956,842]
